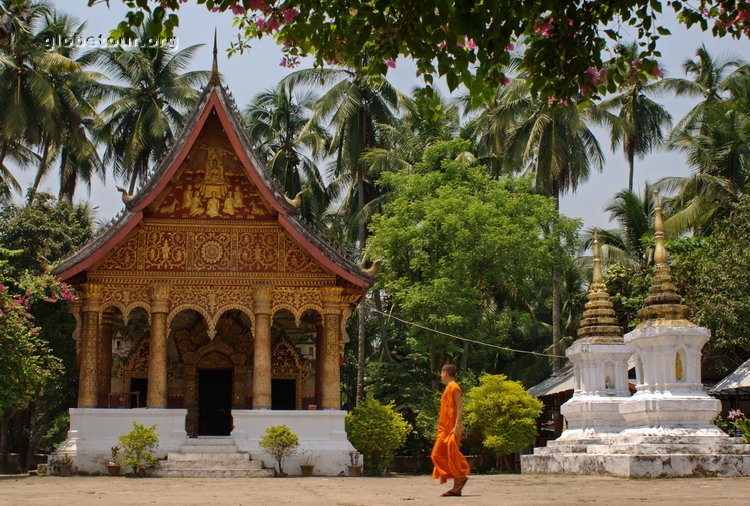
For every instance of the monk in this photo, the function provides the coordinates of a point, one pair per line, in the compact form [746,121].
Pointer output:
[446,454]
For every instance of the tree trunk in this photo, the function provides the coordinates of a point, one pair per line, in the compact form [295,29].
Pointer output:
[465,356]
[556,288]
[41,172]
[385,352]
[433,378]
[631,166]
[361,337]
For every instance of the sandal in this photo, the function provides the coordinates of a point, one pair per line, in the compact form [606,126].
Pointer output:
[451,493]
[458,487]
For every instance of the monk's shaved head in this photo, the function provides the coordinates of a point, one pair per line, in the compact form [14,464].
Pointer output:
[450,370]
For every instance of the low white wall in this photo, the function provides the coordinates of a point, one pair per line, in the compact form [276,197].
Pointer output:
[93,432]
[321,433]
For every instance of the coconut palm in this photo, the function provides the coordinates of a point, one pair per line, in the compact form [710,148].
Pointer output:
[146,110]
[73,117]
[354,105]
[709,79]
[554,143]
[636,122]
[27,93]
[278,122]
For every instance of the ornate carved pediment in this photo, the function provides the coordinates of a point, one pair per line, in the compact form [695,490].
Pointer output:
[287,364]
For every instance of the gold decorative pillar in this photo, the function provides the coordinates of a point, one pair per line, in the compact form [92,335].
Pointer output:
[157,352]
[262,348]
[330,389]
[320,344]
[104,363]
[87,389]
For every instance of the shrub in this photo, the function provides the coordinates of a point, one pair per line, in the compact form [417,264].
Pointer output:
[279,442]
[503,413]
[377,431]
[138,447]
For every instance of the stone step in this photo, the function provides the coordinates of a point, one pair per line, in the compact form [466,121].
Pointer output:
[220,456]
[191,448]
[248,465]
[213,473]
[211,441]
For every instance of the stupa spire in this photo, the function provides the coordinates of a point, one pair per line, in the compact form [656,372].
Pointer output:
[599,322]
[663,301]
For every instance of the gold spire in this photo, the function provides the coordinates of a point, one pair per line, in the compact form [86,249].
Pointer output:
[215,66]
[663,301]
[599,322]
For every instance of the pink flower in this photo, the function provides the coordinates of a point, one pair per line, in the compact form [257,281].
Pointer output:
[282,63]
[259,5]
[471,44]
[510,47]
[289,15]
[735,414]
[237,9]
[460,44]
[442,45]
[391,63]
[656,71]
[216,9]
[506,81]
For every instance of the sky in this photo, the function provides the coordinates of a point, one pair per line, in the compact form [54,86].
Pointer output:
[258,69]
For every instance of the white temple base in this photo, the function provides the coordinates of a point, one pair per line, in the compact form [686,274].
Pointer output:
[592,416]
[322,437]
[644,457]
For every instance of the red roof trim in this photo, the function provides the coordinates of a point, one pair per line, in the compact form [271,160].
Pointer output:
[102,250]
[319,256]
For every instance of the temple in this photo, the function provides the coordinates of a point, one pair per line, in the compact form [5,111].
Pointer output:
[209,307]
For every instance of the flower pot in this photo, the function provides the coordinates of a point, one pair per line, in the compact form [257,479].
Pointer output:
[65,469]
[307,469]
[355,470]
[113,469]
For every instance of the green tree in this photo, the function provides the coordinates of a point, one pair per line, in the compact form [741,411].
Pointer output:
[376,430]
[638,123]
[280,443]
[467,42]
[502,413]
[146,110]
[463,253]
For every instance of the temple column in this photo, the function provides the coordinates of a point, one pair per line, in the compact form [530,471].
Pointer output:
[157,352]
[87,389]
[104,364]
[320,344]
[330,389]
[262,348]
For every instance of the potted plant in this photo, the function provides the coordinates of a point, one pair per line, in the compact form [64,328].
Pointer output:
[307,466]
[139,446]
[113,465]
[354,468]
[65,465]
[279,442]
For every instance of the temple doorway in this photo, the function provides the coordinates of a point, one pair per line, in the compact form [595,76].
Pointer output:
[214,402]
[283,394]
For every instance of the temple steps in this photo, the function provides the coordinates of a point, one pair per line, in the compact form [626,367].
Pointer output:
[211,458]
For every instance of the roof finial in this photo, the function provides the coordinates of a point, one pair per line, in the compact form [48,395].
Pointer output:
[660,252]
[215,66]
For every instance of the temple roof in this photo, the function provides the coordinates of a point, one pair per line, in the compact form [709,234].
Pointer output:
[214,99]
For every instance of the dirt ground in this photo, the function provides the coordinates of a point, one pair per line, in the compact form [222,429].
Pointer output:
[526,490]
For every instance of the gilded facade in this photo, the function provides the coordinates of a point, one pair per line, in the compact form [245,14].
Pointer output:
[209,269]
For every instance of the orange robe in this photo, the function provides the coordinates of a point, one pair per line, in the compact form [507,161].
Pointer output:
[446,454]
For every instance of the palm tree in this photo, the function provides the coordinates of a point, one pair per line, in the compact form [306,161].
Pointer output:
[27,93]
[633,214]
[278,122]
[710,80]
[553,142]
[639,122]
[354,105]
[141,121]
[74,117]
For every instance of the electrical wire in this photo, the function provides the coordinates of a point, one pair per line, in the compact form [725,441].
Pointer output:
[504,348]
